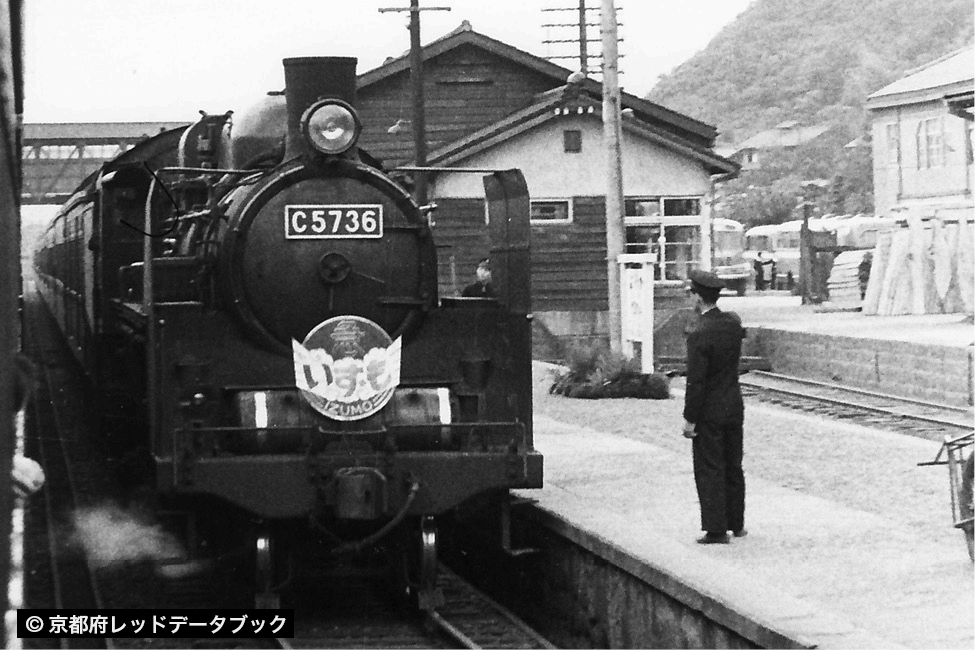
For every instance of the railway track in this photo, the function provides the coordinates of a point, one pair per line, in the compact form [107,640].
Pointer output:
[903,415]
[358,619]
[70,577]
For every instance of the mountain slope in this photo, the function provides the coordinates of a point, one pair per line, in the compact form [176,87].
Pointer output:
[813,61]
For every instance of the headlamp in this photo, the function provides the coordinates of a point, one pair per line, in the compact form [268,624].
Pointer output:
[331,126]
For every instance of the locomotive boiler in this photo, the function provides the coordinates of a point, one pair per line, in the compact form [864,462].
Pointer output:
[257,306]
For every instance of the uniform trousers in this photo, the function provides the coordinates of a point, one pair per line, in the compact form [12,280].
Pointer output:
[719,477]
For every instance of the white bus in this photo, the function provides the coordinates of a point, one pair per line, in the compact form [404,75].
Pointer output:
[727,254]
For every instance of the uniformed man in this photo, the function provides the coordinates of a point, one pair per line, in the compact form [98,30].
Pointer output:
[714,412]
[482,286]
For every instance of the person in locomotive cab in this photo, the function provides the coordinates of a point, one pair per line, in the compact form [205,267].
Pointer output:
[714,412]
[482,287]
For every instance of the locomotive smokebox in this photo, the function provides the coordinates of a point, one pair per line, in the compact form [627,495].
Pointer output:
[308,79]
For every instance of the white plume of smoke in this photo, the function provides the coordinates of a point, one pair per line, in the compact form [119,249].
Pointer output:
[110,535]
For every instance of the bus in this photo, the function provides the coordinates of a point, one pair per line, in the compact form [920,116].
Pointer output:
[727,254]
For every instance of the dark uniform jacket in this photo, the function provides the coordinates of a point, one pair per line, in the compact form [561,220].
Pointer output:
[713,351]
[478,290]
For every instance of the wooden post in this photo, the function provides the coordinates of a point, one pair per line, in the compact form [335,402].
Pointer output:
[11,101]
[612,133]
[805,254]
[583,45]
[416,92]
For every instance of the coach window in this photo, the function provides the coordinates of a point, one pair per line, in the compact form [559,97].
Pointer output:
[551,211]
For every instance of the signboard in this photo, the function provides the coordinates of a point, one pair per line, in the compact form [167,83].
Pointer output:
[347,367]
[358,221]
[636,308]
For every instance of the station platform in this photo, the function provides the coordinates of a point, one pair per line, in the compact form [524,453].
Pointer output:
[850,544]
[928,357]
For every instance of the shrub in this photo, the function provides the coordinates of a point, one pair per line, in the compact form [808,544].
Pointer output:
[595,371]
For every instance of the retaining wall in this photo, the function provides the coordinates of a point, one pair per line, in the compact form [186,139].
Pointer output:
[936,373]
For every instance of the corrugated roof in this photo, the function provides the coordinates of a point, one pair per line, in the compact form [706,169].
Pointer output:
[950,73]
[93,131]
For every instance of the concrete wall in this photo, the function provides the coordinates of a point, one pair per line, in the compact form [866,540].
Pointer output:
[929,372]
[581,591]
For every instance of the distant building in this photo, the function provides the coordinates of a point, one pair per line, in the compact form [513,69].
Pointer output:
[922,138]
[57,157]
[786,135]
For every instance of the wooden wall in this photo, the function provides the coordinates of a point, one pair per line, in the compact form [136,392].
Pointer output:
[464,90]
[568,260]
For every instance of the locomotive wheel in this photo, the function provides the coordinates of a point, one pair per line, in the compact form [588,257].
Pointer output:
[264,596]
[428,562]
[420,562]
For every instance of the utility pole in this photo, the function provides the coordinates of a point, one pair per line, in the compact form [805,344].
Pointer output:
[416,91]
[612,133]
[582,39]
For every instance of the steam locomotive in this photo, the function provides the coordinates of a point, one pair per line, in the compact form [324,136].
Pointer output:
[257,308]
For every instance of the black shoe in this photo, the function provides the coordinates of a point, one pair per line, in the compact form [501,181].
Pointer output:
[714,538]
[739,533]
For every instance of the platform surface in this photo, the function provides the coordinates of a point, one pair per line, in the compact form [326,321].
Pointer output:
[850,543]
[781,310]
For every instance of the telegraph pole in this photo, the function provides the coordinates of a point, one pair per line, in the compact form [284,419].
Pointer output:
[612,132]
[416,91]
[581,39]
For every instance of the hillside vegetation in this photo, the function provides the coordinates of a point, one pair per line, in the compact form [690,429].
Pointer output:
[814,62]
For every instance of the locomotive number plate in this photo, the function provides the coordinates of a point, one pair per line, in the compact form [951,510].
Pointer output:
[353,221]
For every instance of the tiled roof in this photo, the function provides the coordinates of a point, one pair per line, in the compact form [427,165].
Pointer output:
[783,136]
[466,35]
[564,100]
[949,74]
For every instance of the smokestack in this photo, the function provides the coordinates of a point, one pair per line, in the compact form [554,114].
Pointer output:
[308,79]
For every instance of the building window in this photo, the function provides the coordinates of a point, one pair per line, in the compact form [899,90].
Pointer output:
[893,144]
[572,141]
[930,143]
[682,207]
[551,211]
[670,228]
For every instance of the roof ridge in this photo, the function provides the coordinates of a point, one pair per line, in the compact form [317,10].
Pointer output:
[548,68]
[940,59]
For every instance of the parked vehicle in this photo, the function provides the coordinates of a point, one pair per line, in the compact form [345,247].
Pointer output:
[728,247]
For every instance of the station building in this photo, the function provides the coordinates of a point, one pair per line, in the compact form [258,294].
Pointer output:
[491,105]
